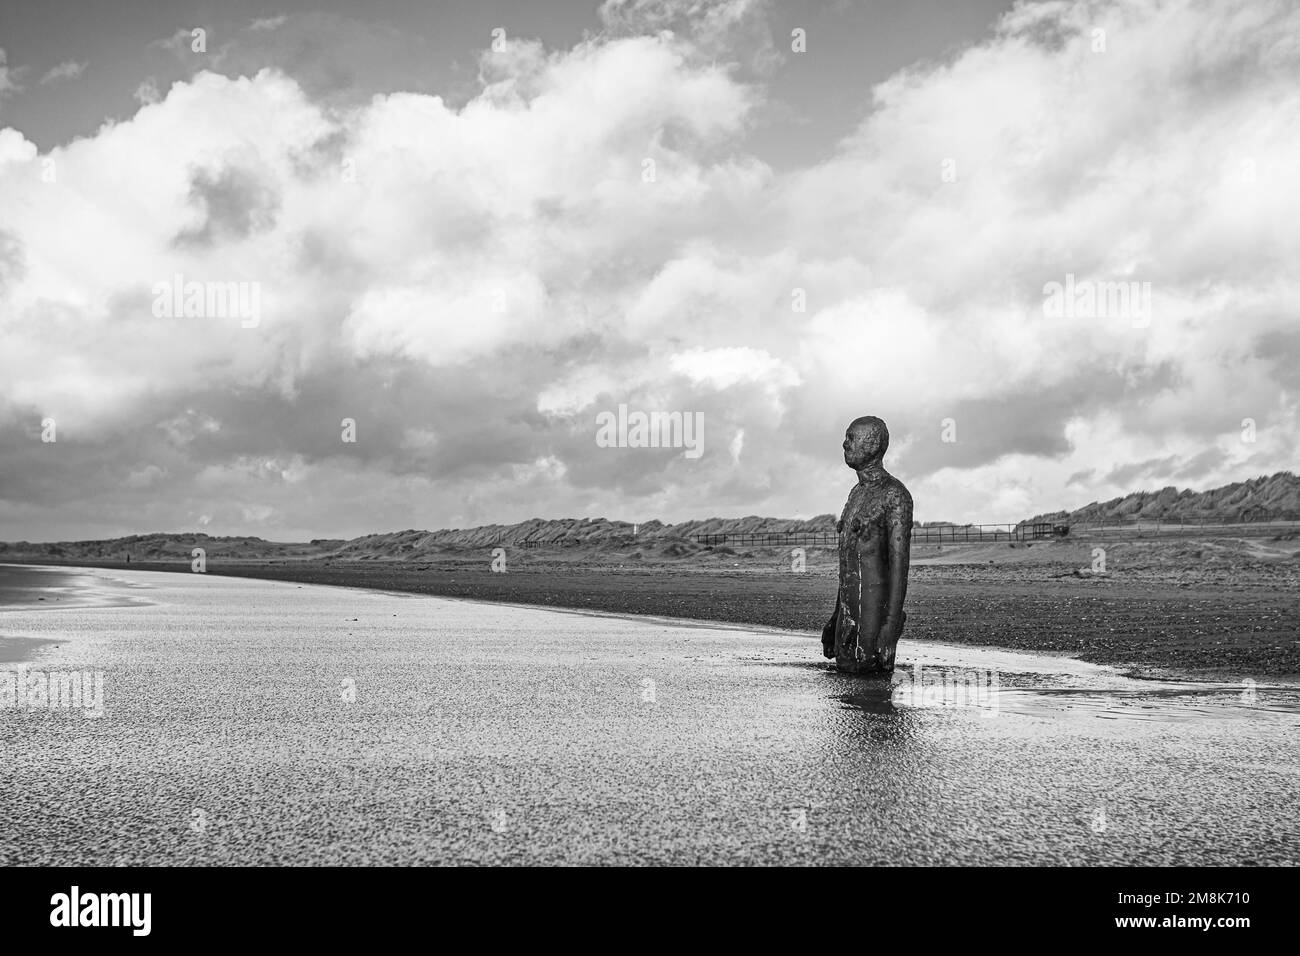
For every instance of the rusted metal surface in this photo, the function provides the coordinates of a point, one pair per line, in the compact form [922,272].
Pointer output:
[875,543]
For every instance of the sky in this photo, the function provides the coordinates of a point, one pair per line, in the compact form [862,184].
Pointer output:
[1052,244]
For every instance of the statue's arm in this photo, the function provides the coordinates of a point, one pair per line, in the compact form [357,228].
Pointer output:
[828,632]
[900,558]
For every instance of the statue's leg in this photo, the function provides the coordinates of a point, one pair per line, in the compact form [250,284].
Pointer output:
[885,650]
[846,636]
[889,649]
[862,603]
[869,630]
[872,656]
[857,642]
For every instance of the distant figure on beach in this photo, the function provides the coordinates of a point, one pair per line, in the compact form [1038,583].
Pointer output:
[875,541]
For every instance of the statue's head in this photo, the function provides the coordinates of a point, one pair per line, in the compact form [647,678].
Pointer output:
[865,440]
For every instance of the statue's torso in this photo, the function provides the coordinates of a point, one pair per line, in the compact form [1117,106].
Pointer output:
[864,523]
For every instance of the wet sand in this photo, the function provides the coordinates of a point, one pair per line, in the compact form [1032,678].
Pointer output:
[21,585]
[1212,629]
[261,722]
[24,587]
[16,650]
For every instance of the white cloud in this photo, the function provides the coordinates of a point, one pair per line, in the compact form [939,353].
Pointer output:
[68,70]
[8,76]
[723,368]
[496,270]
[738,29]
[146,94]
[265,24]
[15,148]
[737,445]
[178,44]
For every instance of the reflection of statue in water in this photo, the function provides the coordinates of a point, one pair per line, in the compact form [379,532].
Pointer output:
[875,538]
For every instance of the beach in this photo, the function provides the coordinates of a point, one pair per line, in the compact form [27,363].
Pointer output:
[260,722]
[23,586]
[1157,611]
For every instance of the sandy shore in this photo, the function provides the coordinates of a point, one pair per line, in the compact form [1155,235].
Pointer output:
[259,722]
[1193,621]
[21,585]
[28,587]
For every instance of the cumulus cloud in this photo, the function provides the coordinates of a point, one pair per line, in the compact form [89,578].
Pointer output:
[734,29]
[474,285]
[147,93]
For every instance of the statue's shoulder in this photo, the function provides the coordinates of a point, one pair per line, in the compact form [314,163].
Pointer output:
[897,492]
